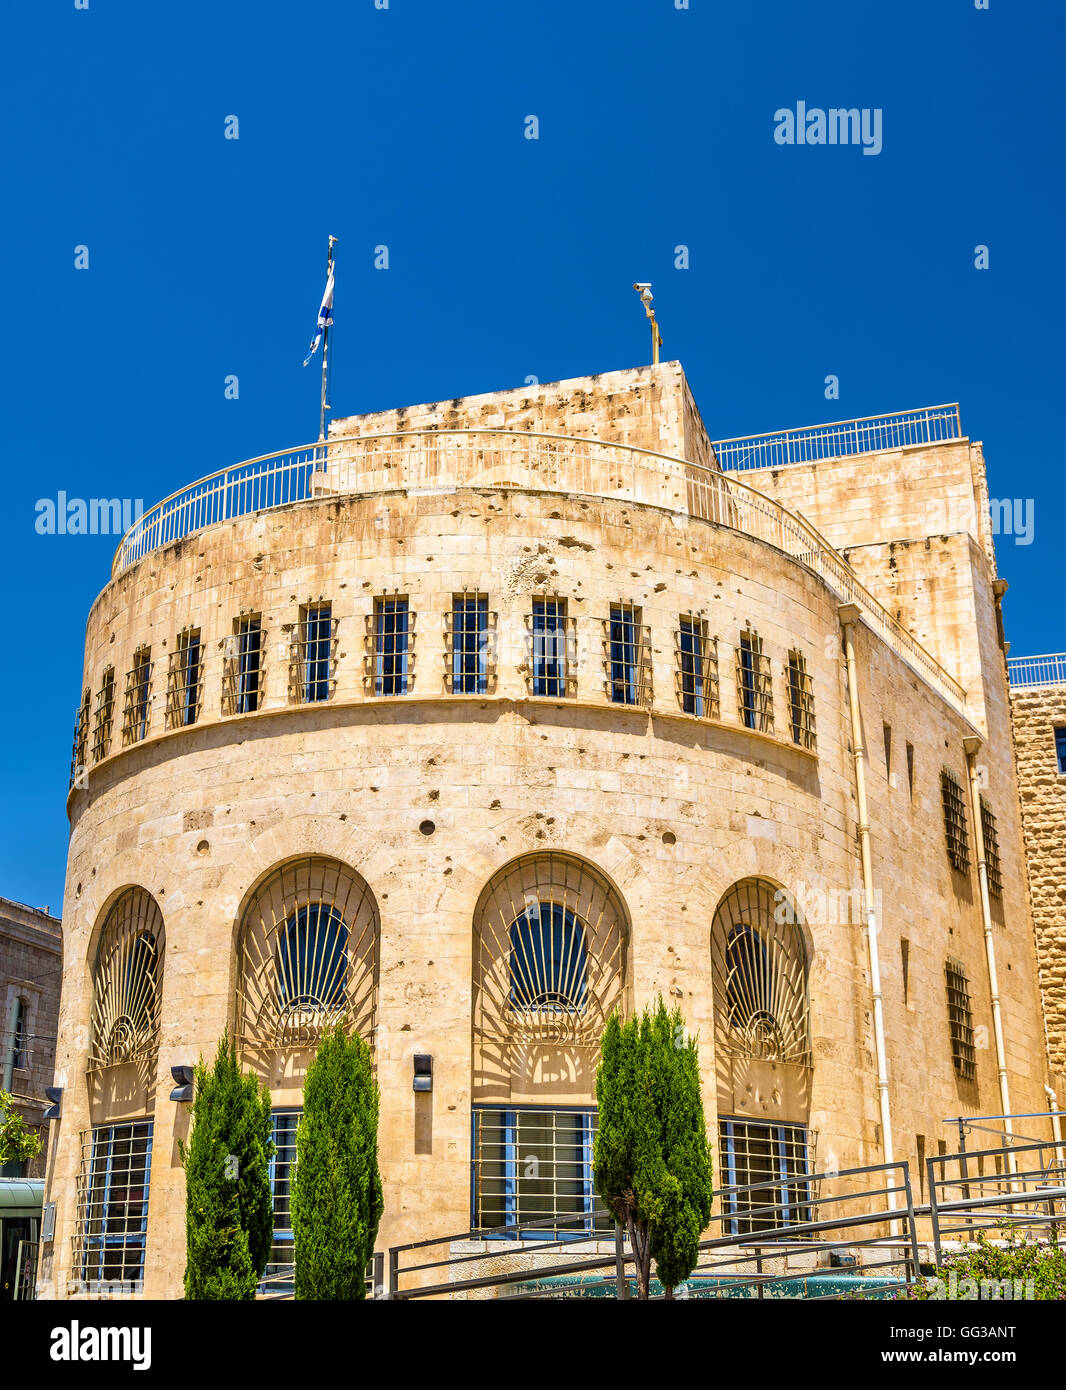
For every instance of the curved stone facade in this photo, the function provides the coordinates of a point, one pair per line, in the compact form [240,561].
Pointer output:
[427,797]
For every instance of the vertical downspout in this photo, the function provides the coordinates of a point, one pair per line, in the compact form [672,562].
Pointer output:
[972,746]
[849,616]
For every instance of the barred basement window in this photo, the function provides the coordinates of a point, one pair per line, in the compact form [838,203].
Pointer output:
[627,656]
[469,665]
[755,701]
[242,667]
[697,667]
[184,680]
[765,1169]
[392,646]
[801,703]
[127,982]
[958,842]
[991,839]
[79,753]
[960,1020]
[105,711]
[552,662]
[137,710]
[311,655]
[283,1126]
[111,1225]
[533,1174]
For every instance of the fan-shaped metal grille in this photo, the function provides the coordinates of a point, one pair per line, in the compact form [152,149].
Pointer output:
[759,964]
[307,956]
[549,943]
[127,981]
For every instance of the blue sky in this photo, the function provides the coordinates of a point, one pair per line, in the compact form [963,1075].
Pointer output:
[508,257]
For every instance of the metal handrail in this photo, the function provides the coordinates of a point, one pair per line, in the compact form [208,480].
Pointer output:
[931,424]
[1027,671]
[440,460]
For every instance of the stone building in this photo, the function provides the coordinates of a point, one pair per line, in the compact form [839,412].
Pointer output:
[499,714]
[31,969]
[1038,706]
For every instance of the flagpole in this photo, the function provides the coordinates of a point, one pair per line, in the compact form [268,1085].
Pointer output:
[323,407]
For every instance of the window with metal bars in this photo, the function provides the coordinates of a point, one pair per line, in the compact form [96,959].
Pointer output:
[105,712]
[242,668]
[311,660]
[392,640]
[127,982]
[551,661]
[765,1168]
[960,1020]
[697,667]
[549,960]
[532,1174]
[627,656]
[283,1127]
[958,841]
[18,1038]
[137,711]
[754,688]
[184,679]
[993,869]
[1060,749]
[112,1221]
[801,702]
[467,645]
[79,753]
[313,960]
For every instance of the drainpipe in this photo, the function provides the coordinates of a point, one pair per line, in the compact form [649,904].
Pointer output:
[972,747]
[1053,1106]
[849,616]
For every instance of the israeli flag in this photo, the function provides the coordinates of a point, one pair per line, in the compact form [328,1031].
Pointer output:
[325,317]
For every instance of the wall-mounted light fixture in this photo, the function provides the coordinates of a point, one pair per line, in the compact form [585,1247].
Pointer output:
[423,1077]
[55,1095]
[183,1076]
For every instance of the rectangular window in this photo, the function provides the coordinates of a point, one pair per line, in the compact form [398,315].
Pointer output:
[910,768]
[960,1021]
[79,754]
[247,663]
[765,1169]
[184,680]
[905,957]
[754,689]
[628,657]
[993,869]
[887,731]
[392,634]
[550,659]
[284,1124]
[1060,749]
[113,1202]
[697,667]
[955,832]
[311,668]
[800,701]
[18,1040]
[532,1173]
[138,686]
[105,712]
[467,645]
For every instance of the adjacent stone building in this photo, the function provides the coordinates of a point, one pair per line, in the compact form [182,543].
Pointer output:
[31,970]
[498,714]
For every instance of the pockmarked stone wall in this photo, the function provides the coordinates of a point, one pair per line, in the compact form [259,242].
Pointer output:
[31,968]
[427,796]
[1037,713]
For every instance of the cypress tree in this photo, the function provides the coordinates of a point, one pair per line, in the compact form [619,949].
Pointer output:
[336,1190]
[229,1215]
[651,1159]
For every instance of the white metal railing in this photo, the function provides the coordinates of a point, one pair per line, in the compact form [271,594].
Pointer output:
[931,424]
[443,460]
[1026,671]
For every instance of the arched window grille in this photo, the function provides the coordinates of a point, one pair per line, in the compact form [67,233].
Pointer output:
[307,956]
[759,965]
[550,941]
[127,982]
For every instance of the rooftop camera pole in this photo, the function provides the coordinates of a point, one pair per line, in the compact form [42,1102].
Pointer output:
[646,296]
[324,406]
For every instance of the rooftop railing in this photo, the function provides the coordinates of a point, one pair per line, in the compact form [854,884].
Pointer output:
[932,424]
[1027,671]
[444,460]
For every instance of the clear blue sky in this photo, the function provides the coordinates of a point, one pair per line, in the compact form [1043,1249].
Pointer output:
[508,256]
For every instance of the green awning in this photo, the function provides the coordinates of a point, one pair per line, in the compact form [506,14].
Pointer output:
[26,1194]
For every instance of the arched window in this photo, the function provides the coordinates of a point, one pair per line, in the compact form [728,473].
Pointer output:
[127,978]
[549,959]
[307,956]
[759,964]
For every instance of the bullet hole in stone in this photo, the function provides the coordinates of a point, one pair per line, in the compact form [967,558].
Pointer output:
[447,872]
[669,838]
[406,1028]
[204,847]
[494,806]
[374,789]
[427,827]
[77,891]
[344,817]
[434,795]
